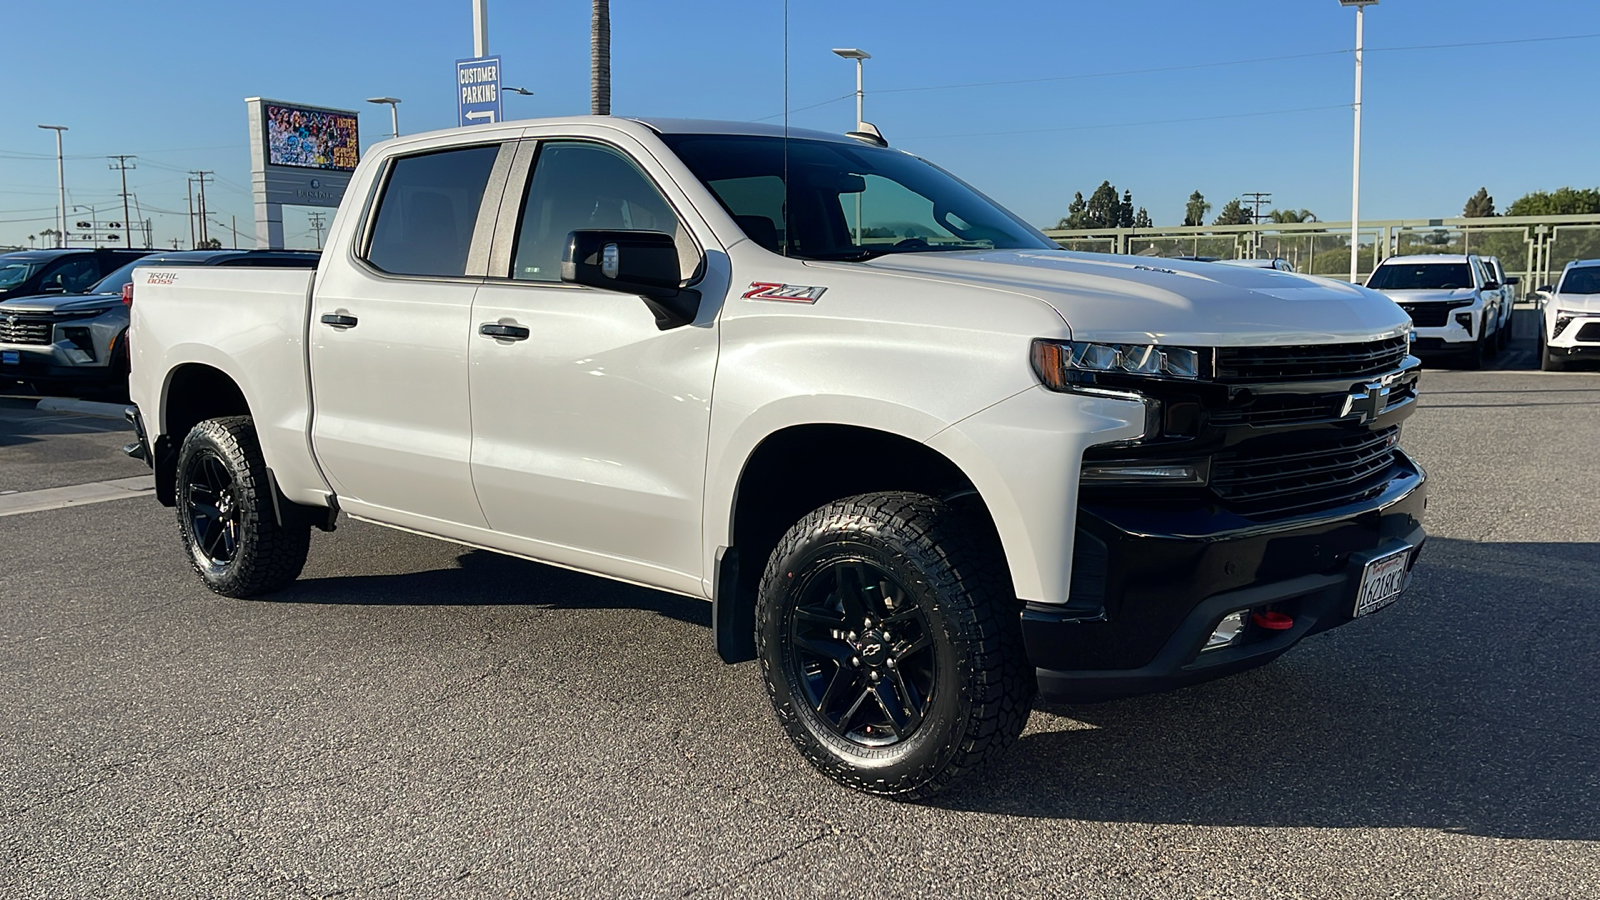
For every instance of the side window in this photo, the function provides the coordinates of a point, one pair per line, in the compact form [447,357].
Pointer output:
[74,275]
[429,207]
[577,186]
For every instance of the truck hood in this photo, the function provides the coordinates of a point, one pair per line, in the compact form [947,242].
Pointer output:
[1456,294]
[1135,299]
[58,303]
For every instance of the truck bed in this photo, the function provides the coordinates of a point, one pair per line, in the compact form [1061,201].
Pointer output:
[249,324]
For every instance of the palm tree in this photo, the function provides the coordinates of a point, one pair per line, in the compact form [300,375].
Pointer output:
[1291,216]
[600,58]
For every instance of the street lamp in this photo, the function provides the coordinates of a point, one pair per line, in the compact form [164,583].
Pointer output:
[61,183]
[1355,165]
[858,56]
[394,111]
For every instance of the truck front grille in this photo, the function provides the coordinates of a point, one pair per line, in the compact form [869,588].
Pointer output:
[1428,315]
[25,329]
[1303,472]
[1310,362]
[1292,409]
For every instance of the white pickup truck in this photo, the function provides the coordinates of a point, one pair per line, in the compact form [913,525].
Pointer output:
[922,462]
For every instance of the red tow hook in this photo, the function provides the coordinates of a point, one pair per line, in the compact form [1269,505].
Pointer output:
[1272,620]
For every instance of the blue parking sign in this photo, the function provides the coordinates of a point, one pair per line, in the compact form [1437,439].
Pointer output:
[478,91]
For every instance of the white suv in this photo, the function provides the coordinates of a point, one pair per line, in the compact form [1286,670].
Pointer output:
[1571,315]
[1453,302]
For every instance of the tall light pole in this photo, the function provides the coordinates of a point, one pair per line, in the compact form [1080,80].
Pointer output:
[1355,176]
[858,56]
[61,183]
[480,28]
[394,111]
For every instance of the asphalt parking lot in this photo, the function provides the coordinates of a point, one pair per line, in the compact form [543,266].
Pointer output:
[417,719]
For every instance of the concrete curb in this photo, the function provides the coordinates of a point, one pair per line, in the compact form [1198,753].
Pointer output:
[82,407]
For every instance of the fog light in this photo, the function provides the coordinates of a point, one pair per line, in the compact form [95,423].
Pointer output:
[1465,321]
[1228,631]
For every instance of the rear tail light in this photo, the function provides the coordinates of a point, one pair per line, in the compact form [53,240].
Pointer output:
[127,294]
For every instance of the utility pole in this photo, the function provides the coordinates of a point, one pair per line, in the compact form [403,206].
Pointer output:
[316,225]
[191,214]
[235,232]
[1257,198]
[177,241]
[1355,156]
[200,176]
[122,166]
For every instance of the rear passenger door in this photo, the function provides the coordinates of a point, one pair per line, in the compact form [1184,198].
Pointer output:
[589,422]
[389,334]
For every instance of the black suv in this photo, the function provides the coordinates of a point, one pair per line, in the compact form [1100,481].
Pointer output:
[27,272]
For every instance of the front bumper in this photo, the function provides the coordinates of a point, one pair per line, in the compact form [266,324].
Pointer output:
[56,362]
[1167,574]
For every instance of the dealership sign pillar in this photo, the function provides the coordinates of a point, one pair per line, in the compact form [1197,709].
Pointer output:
[299,156]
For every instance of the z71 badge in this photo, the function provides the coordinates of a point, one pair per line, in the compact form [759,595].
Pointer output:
[790,293]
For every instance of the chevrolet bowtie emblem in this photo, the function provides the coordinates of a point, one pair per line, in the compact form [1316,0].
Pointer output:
[1368,402]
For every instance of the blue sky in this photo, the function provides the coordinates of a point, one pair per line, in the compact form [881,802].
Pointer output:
[167,81]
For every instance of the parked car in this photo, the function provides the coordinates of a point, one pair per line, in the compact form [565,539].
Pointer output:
[75,341]
[1570,316]
[71,271]
[918,480]
[1508,298]
[1453,303]
[1281,265]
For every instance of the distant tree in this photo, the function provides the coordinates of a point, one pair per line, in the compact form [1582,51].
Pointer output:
[1194,213]
[1141,219]
[1233,213]
[48,235]
[1479,205]
[1563,201]
[209,244]
[1105,210]
[1125,211]
[1291,216]
[1075,211]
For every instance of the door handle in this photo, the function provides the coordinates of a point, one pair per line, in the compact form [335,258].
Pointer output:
[339,321]
[504,332]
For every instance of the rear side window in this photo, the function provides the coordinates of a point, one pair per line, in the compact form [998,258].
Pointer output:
[428,210]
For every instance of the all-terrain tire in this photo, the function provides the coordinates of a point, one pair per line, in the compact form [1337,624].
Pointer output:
[226,516]
[947,567]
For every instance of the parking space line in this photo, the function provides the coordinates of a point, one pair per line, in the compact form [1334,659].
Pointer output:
[76,495]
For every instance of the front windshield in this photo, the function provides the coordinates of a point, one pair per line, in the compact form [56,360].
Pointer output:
[1581,280]
[846,201]
[1421,277]
[15,271]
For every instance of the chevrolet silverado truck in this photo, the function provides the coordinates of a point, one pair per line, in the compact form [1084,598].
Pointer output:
[923,463]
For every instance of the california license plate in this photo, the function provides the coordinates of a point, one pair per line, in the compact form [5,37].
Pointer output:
[1382,581]
[10,357]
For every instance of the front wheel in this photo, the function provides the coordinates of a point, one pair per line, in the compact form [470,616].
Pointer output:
[225,512]
[891,644]
[1548,361]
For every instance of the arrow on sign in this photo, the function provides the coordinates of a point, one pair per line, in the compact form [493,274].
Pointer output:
[481,114]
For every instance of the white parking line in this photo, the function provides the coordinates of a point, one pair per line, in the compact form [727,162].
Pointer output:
[76,495]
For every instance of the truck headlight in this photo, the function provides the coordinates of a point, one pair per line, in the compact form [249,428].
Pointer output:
[1062,364]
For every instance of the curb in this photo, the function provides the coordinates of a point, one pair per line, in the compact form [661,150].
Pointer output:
[82,407]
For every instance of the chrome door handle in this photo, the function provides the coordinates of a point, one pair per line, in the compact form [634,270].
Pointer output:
[504,332]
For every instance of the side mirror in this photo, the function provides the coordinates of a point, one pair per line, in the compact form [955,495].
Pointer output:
[632,262]
[1512,279]
[1547,289]
[1491,285]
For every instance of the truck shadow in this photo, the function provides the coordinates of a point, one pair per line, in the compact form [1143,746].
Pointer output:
[1470,706]
[484,578]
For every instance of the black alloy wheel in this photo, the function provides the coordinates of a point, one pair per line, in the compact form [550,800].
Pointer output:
[863,652]
[890,642]
[212,507]
[227,517]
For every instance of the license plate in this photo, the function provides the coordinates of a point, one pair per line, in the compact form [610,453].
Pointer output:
[1382,581]
[10,357]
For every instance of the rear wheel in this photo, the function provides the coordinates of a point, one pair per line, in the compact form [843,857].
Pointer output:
[225,513]
[891,644]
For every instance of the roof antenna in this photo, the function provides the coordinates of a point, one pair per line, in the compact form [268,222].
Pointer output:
[785,127]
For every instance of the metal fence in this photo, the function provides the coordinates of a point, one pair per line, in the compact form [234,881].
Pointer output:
[1533,248]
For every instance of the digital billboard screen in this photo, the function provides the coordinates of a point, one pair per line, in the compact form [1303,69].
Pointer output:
[311,138]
